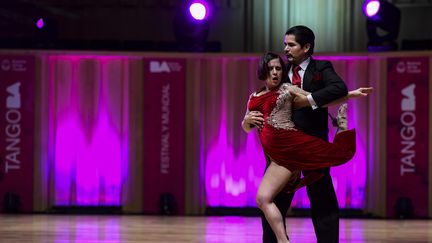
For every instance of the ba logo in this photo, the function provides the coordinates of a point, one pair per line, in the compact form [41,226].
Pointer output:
[13,100]
[409,100]
[159,67]
[164,67]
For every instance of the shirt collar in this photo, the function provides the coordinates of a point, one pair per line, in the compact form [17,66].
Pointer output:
[305,63]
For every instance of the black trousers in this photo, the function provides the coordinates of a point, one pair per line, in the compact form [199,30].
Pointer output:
[324,210]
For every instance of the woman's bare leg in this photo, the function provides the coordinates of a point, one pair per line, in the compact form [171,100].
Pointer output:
[342,118]
[273,182]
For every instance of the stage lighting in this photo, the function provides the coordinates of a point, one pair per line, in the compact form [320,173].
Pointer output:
[46,32]
[371,8]
[191,26]
[199,10]
[382,24]
[40,23]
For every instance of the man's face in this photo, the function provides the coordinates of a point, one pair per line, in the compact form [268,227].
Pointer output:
[294,52]
[274,77]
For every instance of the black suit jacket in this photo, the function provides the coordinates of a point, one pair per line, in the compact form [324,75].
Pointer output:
[325,85]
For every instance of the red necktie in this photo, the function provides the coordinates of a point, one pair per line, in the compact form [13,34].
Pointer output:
[296,79]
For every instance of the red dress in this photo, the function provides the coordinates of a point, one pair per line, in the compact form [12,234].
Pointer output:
[290,147]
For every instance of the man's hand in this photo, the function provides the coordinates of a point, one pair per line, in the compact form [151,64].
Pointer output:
[300,100]
[254,118]
[360,92]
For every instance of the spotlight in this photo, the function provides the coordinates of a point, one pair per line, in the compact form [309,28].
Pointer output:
[40,23]
[199,10]
[371,8]
[191,26]
[382,24]
[46,32]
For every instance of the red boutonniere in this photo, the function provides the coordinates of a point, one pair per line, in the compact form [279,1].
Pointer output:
[317,76]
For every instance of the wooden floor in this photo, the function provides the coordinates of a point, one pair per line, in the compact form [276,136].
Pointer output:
[139,228]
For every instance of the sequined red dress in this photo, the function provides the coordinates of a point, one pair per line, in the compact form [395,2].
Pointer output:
[290,147]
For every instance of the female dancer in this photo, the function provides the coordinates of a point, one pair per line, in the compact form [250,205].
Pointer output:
[291,150]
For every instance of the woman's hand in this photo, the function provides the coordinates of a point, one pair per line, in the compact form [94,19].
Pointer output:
[360,92]
[299,100]
[253,119]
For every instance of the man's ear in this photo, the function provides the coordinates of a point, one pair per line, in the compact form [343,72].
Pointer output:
[306,47]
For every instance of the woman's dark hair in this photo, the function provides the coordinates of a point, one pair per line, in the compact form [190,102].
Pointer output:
[263,71]
[303,35]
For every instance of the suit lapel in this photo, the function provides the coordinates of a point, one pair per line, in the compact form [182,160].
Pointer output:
[307,78]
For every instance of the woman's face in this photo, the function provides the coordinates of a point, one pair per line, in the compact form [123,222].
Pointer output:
[274,78]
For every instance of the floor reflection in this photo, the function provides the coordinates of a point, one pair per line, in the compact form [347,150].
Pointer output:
[139,228]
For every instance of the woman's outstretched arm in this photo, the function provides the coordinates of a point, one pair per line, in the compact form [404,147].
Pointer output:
[300,94]
[360,92]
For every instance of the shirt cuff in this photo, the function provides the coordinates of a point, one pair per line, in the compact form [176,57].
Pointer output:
[312,102]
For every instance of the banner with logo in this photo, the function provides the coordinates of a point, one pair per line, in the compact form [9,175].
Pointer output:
[164,135]
[17,77]
[407,136]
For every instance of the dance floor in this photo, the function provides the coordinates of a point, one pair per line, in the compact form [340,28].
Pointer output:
[43,228]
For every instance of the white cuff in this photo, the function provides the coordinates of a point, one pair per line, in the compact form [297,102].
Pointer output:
[312,102]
